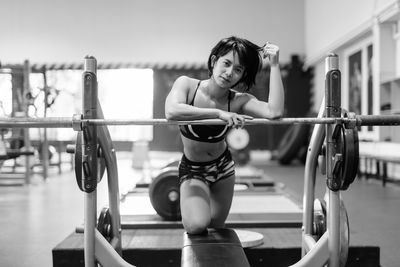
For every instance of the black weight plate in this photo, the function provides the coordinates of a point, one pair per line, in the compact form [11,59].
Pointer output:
[104,223]
[319,218]
[78,160]
[351,157]
[164,194]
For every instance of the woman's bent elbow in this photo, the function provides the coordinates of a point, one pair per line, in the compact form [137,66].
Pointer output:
[170,115]
[276,115]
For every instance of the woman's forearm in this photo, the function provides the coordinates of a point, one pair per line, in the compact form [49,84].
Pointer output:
[276,97]
[188,112]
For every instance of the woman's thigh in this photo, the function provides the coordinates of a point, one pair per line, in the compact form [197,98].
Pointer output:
[195,202]
[221,200]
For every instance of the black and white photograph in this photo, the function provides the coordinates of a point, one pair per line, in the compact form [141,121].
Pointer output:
[206,133]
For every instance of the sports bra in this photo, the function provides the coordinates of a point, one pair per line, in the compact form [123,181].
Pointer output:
[205,133]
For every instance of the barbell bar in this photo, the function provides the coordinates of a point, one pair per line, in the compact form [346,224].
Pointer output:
[77,123]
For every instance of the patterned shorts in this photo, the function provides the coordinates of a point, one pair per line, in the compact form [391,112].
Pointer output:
[208,172]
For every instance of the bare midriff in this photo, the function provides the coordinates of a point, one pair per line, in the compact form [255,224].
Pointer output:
[202,151]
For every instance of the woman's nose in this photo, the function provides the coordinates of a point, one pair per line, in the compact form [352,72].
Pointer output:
[229,71]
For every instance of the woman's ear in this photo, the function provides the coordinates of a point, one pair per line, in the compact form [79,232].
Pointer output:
[213,60]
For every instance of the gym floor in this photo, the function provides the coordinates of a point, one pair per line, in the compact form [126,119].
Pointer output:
[39,216]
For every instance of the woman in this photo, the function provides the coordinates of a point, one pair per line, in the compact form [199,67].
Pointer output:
[206,170]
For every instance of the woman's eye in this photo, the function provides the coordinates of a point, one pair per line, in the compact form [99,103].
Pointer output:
[239,71]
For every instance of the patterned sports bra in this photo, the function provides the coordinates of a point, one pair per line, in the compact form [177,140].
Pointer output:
[205,133]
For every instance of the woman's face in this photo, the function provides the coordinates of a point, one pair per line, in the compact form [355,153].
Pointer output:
[227,70]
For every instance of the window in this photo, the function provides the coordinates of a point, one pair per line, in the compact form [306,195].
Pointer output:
[127,94]
[123,94]
[358,84]
[6,95]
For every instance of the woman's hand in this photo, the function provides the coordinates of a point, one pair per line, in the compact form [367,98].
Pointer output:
[272,52]
[233,119]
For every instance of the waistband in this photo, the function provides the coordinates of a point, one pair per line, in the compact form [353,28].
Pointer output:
[226,153]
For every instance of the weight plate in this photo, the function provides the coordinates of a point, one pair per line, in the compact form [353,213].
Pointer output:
[350,152]
[104,223]
[165,195]
[249,239]
[351,157]
[347,146]
[238,138]
[319,217]
[173,163]
[78,160]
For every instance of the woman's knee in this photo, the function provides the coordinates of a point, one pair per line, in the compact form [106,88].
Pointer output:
[195,226]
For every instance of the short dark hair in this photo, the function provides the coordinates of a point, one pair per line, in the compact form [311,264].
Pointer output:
[248,53]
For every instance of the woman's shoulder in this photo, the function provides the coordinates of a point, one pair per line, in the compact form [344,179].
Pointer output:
[186,81]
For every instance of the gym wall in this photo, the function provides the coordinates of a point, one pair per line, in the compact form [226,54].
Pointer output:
[54,31]
[330,27]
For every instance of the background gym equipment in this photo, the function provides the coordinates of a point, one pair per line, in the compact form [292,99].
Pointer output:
[238,141]
[28,100]
[6,153]
[164,194]
[293,144]
[104,224]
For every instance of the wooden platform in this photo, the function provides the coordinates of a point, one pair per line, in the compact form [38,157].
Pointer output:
[261,199]
[261,206]
[162,247]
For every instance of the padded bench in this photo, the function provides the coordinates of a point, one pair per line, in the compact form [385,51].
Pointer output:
[220,247]
[378,155]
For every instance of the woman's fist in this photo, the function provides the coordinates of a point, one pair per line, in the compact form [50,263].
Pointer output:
[272,52]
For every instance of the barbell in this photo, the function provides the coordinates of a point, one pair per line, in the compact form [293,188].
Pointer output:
[77,123]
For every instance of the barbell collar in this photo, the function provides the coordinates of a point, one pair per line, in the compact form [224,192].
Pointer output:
[77,122]
[352,120]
